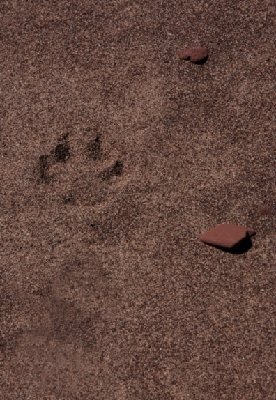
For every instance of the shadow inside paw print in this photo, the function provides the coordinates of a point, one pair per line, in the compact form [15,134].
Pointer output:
[62,152]
[94,148]
[115,170]
[43,168]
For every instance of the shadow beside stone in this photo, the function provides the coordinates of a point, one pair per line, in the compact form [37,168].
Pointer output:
[240,248]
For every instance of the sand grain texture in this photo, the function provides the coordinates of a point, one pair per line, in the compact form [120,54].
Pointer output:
[106,292]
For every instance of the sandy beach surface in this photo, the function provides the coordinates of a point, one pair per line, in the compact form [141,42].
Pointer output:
[114,157]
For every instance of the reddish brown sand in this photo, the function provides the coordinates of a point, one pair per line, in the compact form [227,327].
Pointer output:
[114,157]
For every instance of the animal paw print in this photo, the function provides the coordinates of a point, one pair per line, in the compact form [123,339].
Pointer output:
[61,154]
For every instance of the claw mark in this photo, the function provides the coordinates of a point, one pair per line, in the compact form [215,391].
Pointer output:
[94,148]
[115,170]
[43,166]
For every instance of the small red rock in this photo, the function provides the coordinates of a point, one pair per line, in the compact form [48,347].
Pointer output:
[194,54]
[226,235]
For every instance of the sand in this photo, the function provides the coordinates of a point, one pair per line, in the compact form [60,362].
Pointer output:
[115,156]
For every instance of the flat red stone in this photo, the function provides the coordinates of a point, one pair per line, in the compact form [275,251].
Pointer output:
[194,54]
[226,235]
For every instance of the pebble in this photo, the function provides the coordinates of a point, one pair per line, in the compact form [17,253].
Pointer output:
[193,54]
[226,235]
